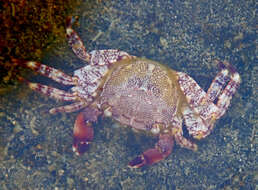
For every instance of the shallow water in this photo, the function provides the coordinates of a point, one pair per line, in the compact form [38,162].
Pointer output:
[186,35]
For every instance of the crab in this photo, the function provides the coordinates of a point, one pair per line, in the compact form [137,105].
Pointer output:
[137,92]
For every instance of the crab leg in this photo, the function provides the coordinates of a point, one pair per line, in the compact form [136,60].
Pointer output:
[228,92]
[193,92]
[50,91]
[201,104]
[178,135]
[49,72]
[75,42]
[83,131]
[96,57]
[69,108]
[196,97]
[195,124]
[218,83]
[162,149]
[210,112]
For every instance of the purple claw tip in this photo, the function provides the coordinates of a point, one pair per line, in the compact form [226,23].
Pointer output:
[224,65]
[221,65]
[137,162]
[81,147]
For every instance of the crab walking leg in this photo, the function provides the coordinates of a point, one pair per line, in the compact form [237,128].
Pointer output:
[194,94]
[228,92]
[218,83]
[49,72]
[183,142]
[196,97]
[95,57]
[195,124]
[206,110]
[75,42]
[83,131]
[51,92]
[178,135]
[69,108]
[162,149]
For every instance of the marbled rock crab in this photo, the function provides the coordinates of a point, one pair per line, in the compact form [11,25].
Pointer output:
[137,92]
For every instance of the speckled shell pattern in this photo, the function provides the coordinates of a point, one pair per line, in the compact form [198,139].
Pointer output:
[90,77]
[141,93]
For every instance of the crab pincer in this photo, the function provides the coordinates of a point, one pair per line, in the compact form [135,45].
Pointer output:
[153,155]
[83,131]
[82,134]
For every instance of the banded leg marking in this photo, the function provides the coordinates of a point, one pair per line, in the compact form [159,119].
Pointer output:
[195,125]
[69,108]
[185,143]
[52,92]
[96,57]
[217,85]
[201,102]
[178,135]
[228,92]
[49,72]
[196,97]
[75,41]
[202,112]
[193,92]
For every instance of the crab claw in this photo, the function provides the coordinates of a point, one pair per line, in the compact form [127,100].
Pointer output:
[151,156]
[83,134]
